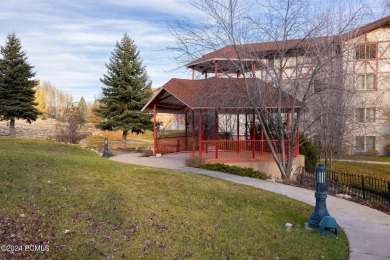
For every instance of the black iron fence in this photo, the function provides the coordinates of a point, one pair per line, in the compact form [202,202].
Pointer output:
[357,186]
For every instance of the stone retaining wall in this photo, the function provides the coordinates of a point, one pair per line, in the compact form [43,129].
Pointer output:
[35,133]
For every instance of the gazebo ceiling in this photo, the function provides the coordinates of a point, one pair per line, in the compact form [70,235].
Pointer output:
[227,94]
[224,66]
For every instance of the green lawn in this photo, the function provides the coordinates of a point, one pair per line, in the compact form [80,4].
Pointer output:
[87,207]
[376,170]
[369,158]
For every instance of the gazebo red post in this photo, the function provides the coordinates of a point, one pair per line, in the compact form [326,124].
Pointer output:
[193,73]
[206,138]
[216,135]
[254,136]
[186,131]
[262,141]
[193,132]
[154,131]
[238,133]
[246,131]
[296,150]
[200,135]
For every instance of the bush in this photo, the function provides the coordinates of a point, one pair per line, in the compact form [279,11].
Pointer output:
[147,153]
[69,126]
[372,153]
[310,151]
[44,116]
[241,171]
[387,149]
[194,161]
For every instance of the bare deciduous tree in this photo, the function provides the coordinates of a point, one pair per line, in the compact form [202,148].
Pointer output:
[293,45]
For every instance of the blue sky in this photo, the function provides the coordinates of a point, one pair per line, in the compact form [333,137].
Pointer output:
[70,41]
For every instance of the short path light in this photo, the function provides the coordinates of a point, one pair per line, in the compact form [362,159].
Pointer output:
[105,151]
[320,194]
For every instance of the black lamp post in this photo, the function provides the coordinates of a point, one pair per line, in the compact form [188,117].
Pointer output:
[105,151]
[320,194]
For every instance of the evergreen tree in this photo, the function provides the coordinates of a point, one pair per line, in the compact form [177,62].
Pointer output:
[16,86]
[82,107]
[127,89]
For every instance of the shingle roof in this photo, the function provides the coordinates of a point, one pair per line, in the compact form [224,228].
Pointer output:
[217,93]
[245,51]
[248,51]
[383,22]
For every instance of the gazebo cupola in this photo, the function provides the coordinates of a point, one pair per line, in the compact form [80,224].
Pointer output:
[228,60]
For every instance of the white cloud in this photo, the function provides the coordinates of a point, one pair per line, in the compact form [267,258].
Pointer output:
[69,42]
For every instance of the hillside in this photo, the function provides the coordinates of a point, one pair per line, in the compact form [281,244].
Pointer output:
[81,205]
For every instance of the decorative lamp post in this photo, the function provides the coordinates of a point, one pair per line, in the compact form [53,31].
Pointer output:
[105,151]
[320,194]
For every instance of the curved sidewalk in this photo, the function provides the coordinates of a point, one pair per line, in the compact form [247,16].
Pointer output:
[367,229]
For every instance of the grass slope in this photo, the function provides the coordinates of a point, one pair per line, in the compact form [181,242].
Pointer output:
[375,170]
[85,206]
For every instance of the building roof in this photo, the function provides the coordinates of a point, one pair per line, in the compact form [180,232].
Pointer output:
[228,94]
[381,23]
[227,55]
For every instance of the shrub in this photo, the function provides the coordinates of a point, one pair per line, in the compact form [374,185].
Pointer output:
[194,161]
[241,171]
[147,153]
[309,150]
[371,153]
[43,116]
[69,126]
[387,149]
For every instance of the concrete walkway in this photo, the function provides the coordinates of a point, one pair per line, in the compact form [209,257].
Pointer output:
[367,229]
[361,161]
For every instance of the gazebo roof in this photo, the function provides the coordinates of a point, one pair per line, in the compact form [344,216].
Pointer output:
[228,94]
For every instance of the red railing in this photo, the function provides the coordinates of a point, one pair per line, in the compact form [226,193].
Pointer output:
[224,150]
[240,150]
[172,144]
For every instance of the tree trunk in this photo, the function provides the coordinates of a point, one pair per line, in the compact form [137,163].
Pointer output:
[124,136]
[12,127]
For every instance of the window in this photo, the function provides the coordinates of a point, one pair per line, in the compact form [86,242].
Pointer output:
[366,114]
[366,82]
[366,51]
[365,143]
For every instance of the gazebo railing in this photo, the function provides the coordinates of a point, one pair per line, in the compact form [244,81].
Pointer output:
[223,150]
[240,150]
[172,144]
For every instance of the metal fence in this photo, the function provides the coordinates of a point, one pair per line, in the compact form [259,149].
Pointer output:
[357,186]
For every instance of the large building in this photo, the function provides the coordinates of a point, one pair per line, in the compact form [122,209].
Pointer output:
[368,67]
[263,95]
[344,80]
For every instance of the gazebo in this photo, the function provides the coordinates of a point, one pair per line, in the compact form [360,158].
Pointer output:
[203,102]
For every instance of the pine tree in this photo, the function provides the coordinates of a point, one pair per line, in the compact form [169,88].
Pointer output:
[82,107]
[127,89]
[16,86]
